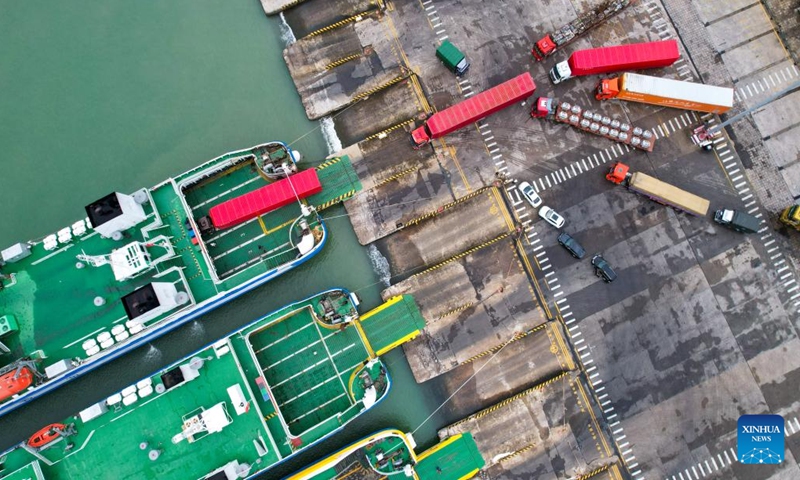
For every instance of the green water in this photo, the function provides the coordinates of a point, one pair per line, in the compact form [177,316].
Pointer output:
[116,95]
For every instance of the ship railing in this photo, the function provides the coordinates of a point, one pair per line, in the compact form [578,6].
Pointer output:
[212,271]
[157,222]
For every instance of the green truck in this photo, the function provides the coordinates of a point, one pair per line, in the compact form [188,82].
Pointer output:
[452,58]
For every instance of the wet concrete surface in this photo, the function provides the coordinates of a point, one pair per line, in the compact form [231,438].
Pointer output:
[508,370]
[468,223]
[548,432]
[470,305]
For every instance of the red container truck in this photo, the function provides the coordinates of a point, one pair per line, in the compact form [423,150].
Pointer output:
[636,56]
[474,108]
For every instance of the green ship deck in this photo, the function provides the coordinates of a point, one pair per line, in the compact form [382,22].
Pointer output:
[243,404]
[390,452]
[66,303]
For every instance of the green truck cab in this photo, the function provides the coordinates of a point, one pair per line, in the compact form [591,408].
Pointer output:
[452,58]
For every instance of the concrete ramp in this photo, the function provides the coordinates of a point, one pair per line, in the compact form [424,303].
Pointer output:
[471,304]
[345,64]
[548,432]
[309,16]
[507,369]
[441,234]
[399,183]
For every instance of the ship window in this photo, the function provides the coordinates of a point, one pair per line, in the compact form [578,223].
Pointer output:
[103,210]
[172,378]
[140,301]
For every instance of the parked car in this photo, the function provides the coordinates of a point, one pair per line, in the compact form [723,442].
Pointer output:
[530,194]
[602,269]
[551,217]
[573,247]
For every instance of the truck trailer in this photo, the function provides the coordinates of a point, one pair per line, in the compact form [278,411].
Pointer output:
[636,56]
[665,92]
[657,190]
[574,29]
[474,108]
[594,123]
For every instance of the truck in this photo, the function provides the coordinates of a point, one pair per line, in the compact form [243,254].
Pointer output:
[474,108]
[736,220]
[666,92]
[636,56]
[791,216]
[452,58]
[658,191]
[574,29]
[594,123]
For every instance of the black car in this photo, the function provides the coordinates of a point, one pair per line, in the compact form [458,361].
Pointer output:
[602,269]
[572,245]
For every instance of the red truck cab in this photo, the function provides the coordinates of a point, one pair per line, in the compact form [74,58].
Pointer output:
[543,48]
[607,89]
[618,173]
[543,108]
[421,136]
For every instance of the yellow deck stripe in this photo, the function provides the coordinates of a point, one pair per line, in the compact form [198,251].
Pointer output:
[470,474]
[263,227]
[432,450]
[397,343]
[363,335]
[386,305]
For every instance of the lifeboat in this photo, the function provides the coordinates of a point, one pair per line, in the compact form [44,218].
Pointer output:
[10,386]
[46,435]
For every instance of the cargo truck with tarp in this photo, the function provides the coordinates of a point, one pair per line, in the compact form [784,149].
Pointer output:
[452,58]
[739,221]
[656,190]
[636,56]
[474,108]
[666,92]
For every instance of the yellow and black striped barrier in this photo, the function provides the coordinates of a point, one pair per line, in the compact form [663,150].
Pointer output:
[462,254]
[270,416]
[592,473]
[328,163]
[395,176]
[441,209]
[390,129]
[456,310]
[517,453]
[513,339]
[340,23]
[378,88]
[342,61]
[511,399]
[341,198]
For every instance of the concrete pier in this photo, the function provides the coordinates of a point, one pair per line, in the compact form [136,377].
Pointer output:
[507,369]
[546,432]
[471,305]
[441,234]
[312,15]
[273,7]
[343,65]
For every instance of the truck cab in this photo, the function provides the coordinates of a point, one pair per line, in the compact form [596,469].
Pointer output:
[560,72]
[544,107]
[421,136]
[607,89]
[543,48]
[791,216]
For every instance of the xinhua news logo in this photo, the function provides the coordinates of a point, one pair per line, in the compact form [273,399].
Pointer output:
[760,439]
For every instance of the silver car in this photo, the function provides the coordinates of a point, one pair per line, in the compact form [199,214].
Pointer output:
[551,217]
[530,194]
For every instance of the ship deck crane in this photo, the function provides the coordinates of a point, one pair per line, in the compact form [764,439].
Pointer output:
[703,135]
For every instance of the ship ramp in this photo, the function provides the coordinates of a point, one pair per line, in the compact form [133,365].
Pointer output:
[392,324]
[339,182]
[455,458]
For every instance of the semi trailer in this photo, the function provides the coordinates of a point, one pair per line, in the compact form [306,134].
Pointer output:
[636,56]
[594,123]
[657,190]
[474,108]
[666,92]
[574,29]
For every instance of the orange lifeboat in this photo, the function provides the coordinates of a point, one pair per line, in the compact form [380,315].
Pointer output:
[10,386]
[46,435]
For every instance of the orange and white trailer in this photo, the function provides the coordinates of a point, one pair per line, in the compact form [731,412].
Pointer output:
[666,92]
